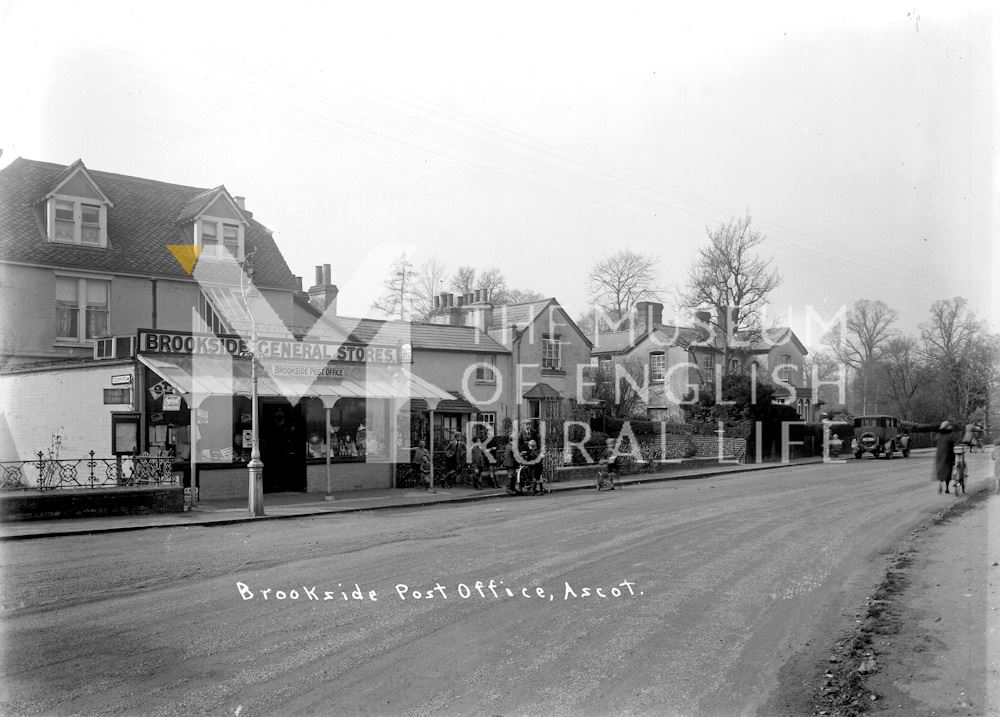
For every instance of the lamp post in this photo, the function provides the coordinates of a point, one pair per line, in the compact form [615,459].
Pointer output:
[255,467]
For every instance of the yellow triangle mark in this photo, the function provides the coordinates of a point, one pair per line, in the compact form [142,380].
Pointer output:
[186,255]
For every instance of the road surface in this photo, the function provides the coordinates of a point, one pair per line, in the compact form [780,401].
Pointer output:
[707,587]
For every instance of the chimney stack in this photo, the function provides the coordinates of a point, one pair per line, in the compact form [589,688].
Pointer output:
[241,202]
[648,314]
[324,294]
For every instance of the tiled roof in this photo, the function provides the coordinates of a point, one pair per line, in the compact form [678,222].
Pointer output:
[622,341]
[143,221]
[520,314]
[772,337]
[420,336]
[613,342]
[197,204]
[542,391]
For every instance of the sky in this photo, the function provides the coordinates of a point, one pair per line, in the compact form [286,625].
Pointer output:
[541,137]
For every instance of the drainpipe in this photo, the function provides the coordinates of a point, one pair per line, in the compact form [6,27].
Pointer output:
[153,282]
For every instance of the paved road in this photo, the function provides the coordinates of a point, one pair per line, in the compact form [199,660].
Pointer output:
[718,582]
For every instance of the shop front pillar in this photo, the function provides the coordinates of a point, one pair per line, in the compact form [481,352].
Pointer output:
[328,404]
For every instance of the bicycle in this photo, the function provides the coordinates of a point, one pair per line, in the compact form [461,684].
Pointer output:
[960,470]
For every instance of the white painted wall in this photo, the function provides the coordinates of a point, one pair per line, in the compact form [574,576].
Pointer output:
[67,402]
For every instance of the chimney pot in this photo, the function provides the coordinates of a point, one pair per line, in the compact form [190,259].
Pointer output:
[460,300]
[437,303]
[327,275]
[319,275]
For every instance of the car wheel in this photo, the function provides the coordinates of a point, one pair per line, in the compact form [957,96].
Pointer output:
[857,454]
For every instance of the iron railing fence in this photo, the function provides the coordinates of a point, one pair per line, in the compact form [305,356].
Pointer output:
[92,472]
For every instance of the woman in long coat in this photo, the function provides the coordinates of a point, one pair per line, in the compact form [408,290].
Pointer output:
[944,458]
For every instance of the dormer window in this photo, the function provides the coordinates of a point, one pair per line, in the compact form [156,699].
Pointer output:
[220,239]
[73,220]
[76,210]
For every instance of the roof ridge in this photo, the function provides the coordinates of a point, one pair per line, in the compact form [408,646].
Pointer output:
[112,175]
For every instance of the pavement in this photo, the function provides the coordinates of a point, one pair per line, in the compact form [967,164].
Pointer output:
[278,506]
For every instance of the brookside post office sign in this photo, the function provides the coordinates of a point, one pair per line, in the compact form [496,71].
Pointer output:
[179,343]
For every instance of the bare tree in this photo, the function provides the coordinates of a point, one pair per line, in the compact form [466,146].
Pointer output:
[618,282]
[428,282]
[905,373]
[521,296]
[464,279]
[963,355]
[493,282]
[825,373]
[731,281]
[859,344]
[617,392]
[399,290]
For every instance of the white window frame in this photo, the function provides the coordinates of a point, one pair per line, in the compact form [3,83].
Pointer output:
[551,352]
[218,251]
[486,369]
[734,366]
[605,365]
[81,338]
[490,419]
[658,374]
[786,369]
[708,368]
[78,204]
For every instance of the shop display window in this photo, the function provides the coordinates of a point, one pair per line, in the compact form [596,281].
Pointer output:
[356,431]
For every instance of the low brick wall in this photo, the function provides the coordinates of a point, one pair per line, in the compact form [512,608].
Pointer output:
[39,505]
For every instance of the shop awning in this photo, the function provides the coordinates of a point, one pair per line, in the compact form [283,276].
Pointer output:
[455,403]
[215,377]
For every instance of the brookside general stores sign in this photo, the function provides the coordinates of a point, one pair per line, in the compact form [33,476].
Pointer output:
[178,343]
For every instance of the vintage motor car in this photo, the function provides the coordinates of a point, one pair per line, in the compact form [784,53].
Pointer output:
[879,435]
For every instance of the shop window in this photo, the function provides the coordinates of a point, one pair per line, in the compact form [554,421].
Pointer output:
[357,429]
[82,308]
[551,352]
[77,221]
[658,367]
